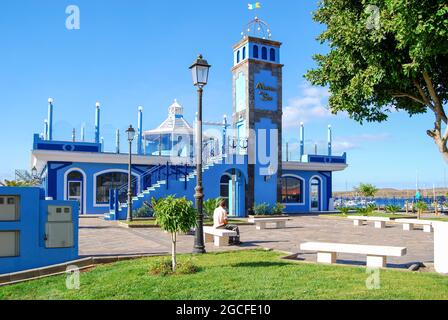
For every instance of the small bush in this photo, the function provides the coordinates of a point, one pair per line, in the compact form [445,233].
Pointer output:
[344,210]
[392,209]
[209,206]
[143,212]
[262,209]
[366,210]
[278,209]
[163,268]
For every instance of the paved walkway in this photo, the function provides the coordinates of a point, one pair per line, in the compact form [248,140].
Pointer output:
[102,238]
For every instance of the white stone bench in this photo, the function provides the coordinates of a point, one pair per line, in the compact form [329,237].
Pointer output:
[408,224]
[380,222]
[260,223]
[376,255]
[220,237]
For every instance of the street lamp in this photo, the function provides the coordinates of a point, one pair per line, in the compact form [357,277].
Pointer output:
[199,71]
[34,173]
[131,134]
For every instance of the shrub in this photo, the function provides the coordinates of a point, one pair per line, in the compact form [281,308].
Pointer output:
[163,267]
[421,206]
[344,210]
[262,209]
[392,209]
[278,209]
[143,212]
[366,210]
[210,205]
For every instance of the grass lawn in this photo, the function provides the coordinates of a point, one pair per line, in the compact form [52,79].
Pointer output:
[152,222]
[373,214]
[437,219]
[242,275]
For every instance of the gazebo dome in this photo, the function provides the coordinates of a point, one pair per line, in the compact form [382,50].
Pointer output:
[175,123]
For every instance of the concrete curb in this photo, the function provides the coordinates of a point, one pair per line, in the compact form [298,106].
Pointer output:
[54,270]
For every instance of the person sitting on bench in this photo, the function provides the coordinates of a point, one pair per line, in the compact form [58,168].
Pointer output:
[220,221]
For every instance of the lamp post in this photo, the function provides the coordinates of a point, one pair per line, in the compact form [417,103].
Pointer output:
[199,70]
[131,133]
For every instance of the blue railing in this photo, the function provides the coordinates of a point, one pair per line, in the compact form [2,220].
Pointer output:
[151,177]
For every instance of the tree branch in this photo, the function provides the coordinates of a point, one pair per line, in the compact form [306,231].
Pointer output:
[438,106]
[410,96]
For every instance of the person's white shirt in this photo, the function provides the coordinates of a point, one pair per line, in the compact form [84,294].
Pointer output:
[219,217]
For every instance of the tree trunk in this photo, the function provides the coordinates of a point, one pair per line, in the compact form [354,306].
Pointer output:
[173,250]
[442,147]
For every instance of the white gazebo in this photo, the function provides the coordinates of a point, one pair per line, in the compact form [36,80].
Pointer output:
[174,137]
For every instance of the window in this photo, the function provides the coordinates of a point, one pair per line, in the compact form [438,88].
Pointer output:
[111,180]
[238,57]
[10,244]
[75,175]
[264,53]
[292,190]
[272,54]
[244,53]
[9,208]
[256,52]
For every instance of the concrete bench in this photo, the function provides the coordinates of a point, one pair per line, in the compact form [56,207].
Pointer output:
[380,222]
[260,223]
[220,237]
[408,224]
[376,255]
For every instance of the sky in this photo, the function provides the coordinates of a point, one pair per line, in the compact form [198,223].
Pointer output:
[131,53]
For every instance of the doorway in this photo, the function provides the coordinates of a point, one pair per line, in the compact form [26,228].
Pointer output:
[315,194]
[75,184]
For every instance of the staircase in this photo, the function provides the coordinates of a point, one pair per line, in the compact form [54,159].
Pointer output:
[184,186]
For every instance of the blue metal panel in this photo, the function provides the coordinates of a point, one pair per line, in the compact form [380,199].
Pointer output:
[31,226]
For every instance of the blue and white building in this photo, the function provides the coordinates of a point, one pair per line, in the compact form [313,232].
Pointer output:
[243,155]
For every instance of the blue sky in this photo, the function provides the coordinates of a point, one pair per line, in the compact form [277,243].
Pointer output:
[131,53]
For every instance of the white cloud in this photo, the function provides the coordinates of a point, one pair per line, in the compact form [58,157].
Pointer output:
[310,105]
[343,144]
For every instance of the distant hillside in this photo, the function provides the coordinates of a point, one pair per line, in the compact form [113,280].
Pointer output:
[391,193]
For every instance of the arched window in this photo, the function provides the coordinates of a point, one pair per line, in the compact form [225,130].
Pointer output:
[238,57]
[112,180]
[272,54]
[264,53]
[256,52]
[244,53]
[292,190]
[75,175]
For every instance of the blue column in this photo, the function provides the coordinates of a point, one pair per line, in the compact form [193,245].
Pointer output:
[330,141]
[46,129]
[140,131]
[83,133]
[224,135]
[117,141]
[302,140]
[50,119]
[97,123]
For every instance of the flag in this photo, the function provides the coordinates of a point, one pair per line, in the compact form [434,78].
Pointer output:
[253,6]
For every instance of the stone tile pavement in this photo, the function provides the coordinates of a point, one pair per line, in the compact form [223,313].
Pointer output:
[104,238]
